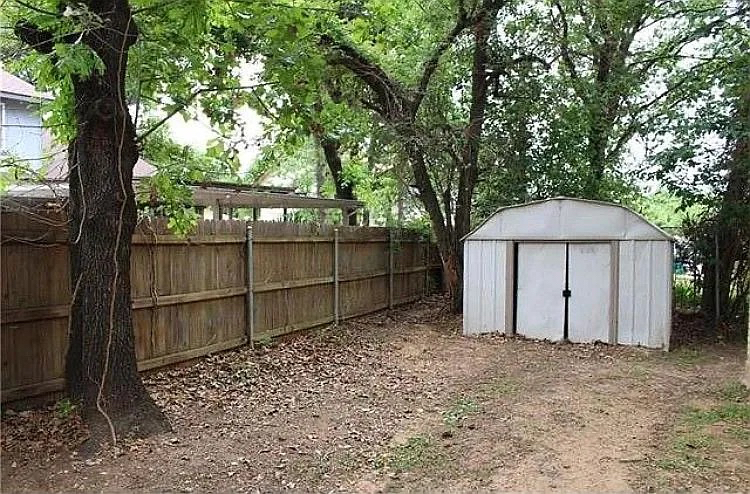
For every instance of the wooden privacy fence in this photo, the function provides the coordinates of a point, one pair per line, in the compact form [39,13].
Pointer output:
[191,295]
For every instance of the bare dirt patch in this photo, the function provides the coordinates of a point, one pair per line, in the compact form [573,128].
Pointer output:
[401,402]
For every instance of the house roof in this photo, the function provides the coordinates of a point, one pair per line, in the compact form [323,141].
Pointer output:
[566,218]
[58,168]
[55,192]
[13,87]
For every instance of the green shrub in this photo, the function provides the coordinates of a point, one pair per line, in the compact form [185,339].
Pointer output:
[685,294]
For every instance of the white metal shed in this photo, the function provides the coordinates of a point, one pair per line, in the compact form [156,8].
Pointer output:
[571,269]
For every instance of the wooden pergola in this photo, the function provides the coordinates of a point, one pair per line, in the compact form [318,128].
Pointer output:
[228,196]
[221,197]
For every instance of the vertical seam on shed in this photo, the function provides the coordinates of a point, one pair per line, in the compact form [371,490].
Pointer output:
[509,287]
[633,258]
[614,290]
[670,287]
[649,312]
[495,292]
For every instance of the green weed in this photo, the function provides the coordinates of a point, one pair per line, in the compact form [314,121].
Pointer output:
[502,387]
[685,295]
[727,412]
[734,391]
[417,452]
[65,408]
[459,411]
[686,356]
[264,341]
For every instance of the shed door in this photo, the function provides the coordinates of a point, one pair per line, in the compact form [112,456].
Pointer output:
[590,285]
[540,307]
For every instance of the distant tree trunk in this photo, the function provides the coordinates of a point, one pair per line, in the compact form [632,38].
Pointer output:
[101,372]
[319,181]
[344,189]
[746,375]
[399,107]
[609,44]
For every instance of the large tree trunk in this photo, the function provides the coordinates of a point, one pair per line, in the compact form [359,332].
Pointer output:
[101,372]
[731,227]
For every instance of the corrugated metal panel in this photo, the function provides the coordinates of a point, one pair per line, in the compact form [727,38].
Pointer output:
[484,287]
[472,273]
[567,219]
[625,312]
[644,313]
[661,299]
[585,220]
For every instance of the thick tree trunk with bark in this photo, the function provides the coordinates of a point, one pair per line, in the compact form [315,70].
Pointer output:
[101,373]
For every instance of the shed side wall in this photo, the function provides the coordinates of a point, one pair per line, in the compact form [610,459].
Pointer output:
[484,287]
[644,311]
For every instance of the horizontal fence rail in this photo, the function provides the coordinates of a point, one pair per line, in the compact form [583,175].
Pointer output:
[226,283]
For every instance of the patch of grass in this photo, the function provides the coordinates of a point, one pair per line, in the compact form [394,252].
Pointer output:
[639,372]
[691,463]
[739,433]
[348,461]
[686,356]
[689,451]
[457,413]
[734,391]
[726,412]
[502,387]
[696,442]
[417,452]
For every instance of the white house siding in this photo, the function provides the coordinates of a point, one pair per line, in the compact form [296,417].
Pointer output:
[485,293]
[21,132]
[645,281]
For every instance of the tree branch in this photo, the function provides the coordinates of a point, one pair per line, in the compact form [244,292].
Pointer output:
[391,99]
[37,9]
[430,65]
[565,48]
[184,104]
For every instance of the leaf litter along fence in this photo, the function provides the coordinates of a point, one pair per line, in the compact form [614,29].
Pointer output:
[192,295]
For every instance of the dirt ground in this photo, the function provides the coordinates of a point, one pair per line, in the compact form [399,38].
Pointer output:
[400,402]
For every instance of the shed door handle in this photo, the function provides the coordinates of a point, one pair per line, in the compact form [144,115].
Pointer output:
[566,293]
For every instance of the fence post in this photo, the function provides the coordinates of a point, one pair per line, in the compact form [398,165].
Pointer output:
[717,282]
[427,268]
[336,276]
[746,377]
[249,309]
[390,268]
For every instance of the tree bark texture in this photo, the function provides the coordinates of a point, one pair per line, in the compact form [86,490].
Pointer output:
[101,372]
[344,189]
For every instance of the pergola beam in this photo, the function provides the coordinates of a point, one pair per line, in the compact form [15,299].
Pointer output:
[211,196]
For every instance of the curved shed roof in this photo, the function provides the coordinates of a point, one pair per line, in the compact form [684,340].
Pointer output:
[565,218]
